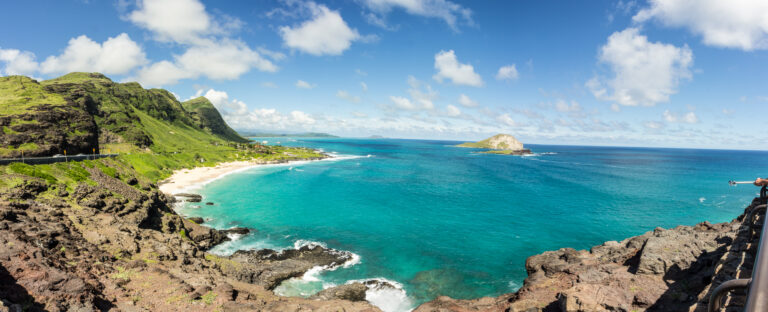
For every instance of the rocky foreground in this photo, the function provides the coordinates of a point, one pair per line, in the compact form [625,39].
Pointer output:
[117,245]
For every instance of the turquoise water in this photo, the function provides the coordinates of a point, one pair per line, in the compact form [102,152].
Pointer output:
[441,220]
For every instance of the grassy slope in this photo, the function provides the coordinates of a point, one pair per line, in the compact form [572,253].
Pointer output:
[131,111]
[207,117]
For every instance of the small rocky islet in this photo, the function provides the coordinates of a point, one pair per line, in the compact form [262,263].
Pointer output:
[503,144]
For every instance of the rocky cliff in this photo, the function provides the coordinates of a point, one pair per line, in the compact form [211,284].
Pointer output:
[112,242]
[662,270]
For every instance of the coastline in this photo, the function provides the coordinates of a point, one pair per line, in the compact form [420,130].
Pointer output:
[183,180]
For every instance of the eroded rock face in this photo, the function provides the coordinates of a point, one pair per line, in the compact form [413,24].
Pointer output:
[351,292]
[662,270]
[269,268]
[123,249]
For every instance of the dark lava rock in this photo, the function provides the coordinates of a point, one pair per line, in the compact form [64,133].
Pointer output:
[351,292]
[197,220]
[237,230]
[209,203]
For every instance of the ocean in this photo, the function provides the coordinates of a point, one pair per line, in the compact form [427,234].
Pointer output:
[434,219]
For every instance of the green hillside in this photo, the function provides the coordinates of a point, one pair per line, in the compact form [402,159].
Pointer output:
[152,131]
[208,118]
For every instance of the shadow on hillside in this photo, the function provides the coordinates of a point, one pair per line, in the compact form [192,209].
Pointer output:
[11,291]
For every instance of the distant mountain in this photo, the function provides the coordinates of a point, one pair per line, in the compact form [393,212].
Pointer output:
[281,135]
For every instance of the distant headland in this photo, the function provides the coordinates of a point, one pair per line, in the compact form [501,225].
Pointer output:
[499,144]
[291,135]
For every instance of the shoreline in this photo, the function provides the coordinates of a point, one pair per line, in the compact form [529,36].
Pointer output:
[184,180]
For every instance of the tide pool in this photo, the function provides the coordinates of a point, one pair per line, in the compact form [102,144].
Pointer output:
[439,220]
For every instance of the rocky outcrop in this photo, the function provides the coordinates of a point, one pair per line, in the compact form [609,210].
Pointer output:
[109,247]
[499,144]
[351,292]
[662,270]
[269,268]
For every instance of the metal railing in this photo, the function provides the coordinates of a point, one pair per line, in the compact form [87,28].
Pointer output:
[757,285]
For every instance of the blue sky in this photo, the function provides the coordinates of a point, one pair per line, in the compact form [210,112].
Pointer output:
[670,73]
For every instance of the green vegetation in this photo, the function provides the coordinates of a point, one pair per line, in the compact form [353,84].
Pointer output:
[31,171]
[18,94]
[208,118]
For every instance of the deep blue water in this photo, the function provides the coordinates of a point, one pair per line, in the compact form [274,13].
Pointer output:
[442,220]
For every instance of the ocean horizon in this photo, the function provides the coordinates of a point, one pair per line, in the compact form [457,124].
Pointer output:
[434,219]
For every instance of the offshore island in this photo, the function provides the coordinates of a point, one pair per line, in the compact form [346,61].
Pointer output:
[503,144]
[99,232]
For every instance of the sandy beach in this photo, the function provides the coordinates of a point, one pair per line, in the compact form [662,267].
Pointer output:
[183,179]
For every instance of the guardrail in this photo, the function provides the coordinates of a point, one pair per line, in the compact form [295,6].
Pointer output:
[53,159]
[757,285]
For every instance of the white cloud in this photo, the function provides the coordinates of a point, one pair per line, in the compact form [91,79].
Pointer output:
[117,55]
[508,72]
[181,21]
[645,73]
[507,120]
[216,59]
[448,66]
[364,86]
[18,62]
[346,96]
[653,125]
[423,99]
[452,111]
[237,114]
[689,117]
[402,103]
[448,11]
[304,85]
[741,24]
[562,106]
[326,33]
[466,101]
[209,52]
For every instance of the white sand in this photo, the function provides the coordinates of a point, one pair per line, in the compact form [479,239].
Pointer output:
[184,179]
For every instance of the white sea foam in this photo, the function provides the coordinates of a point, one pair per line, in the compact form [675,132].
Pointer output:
[702,199]
[387,295]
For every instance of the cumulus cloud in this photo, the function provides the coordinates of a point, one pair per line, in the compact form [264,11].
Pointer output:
[508,72]
[346,96]
[325,34]
[448,11]
[421,93]
[740,24]
[18,62]
[654,125]
[507,120]
[689,117]
[223,59]
[644,73]
[448,66]
[452,111]
[465,101]
[237,114]
[304,85]
[402,103]
[181,21]
[209,52]
[117,55]
[364,86]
